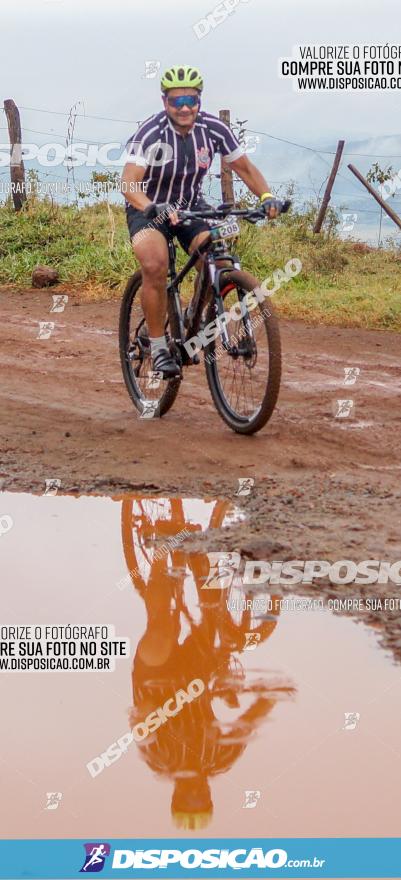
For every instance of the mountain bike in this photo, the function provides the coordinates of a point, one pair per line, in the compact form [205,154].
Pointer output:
[237,332]
[147,525]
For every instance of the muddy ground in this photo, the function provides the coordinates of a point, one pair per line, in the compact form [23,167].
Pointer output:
[325,488]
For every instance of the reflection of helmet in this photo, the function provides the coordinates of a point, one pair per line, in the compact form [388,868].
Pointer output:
[181,76]
[192,821]
[191,803]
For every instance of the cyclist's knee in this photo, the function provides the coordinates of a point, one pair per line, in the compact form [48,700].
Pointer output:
[152,255]
[154,266]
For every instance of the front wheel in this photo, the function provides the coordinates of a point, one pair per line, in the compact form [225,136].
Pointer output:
[244,381]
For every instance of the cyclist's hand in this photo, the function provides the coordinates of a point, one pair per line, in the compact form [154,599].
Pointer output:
[272,207]
[173,218]
[162,211]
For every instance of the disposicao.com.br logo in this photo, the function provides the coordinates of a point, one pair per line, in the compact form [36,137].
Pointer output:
[187,859]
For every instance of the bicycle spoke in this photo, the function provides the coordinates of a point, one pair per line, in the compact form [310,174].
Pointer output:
[243,379]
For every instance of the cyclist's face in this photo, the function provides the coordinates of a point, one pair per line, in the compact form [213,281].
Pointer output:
[185,115]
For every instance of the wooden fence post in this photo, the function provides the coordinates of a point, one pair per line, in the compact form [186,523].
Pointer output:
[226,174]
[17,170]
[326,198]
[396,219]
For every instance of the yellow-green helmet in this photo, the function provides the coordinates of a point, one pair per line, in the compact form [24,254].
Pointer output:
[181,76]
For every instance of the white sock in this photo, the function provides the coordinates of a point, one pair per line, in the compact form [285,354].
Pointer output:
[157,343]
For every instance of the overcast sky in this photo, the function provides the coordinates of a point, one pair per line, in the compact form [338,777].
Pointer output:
[57,52]
[54,52]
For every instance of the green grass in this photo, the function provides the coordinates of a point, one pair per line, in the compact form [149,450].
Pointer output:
[343,283]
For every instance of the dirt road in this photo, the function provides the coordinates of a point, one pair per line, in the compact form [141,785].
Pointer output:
[325,487]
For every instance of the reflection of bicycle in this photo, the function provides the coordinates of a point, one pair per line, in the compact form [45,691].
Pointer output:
[191,634]
[242,352]
[147,525]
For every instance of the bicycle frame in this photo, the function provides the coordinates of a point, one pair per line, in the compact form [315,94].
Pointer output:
[209,281]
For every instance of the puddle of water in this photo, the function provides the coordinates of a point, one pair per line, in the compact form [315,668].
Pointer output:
[270,719]
[347,425]
[388,387]
[379,467]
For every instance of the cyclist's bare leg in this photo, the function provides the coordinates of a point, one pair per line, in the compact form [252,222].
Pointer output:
[152,252]
[163,623]
[196,241]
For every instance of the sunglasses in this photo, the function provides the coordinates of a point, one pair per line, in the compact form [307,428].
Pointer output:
[182,100]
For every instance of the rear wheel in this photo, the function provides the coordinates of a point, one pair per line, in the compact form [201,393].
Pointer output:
[152,395]
[244,382]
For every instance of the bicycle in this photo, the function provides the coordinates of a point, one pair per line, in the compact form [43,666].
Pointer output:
[243,370]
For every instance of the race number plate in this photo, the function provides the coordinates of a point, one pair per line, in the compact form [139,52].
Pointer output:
[228,229]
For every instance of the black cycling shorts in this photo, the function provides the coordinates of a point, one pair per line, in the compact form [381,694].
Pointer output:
[137,223]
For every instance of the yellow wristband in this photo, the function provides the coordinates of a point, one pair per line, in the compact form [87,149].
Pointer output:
[266,196]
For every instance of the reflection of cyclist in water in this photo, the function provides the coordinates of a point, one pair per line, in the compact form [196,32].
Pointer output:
[180,645]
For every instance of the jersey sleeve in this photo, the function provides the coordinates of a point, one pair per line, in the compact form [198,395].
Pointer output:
[139,143]
[226,142]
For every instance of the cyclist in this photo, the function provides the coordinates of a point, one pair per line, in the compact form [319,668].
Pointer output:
[168,156]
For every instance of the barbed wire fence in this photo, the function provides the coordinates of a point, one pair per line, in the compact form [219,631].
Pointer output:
[301,194]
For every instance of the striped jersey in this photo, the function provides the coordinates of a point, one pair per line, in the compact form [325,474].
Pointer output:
[176,164]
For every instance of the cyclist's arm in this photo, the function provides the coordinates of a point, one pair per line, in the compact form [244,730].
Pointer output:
[132,175]
[250,175]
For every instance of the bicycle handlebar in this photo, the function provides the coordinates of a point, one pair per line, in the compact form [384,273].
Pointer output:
[252,215]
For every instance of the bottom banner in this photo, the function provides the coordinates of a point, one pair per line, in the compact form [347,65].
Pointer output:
[229,857]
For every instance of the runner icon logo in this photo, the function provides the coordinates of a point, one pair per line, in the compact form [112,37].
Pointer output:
[95,856]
